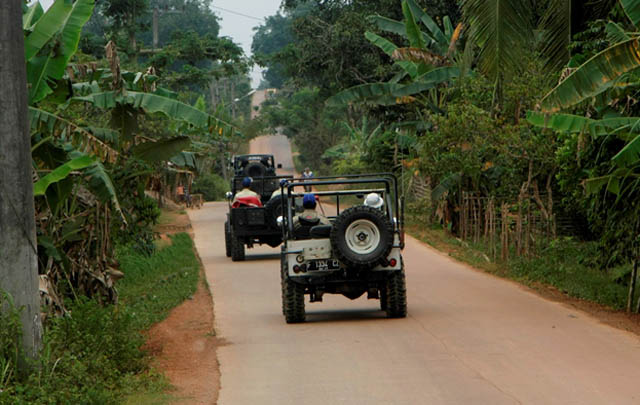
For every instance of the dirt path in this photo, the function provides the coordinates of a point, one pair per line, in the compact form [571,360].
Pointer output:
[184,345]
[470,338]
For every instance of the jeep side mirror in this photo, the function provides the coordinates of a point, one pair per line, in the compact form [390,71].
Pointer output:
[279,166]
[228,195]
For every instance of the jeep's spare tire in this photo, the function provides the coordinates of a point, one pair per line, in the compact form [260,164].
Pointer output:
[255,169]
[362,236]
[273,209]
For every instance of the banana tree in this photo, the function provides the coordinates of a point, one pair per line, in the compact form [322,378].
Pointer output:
[76,198]
[428,61]
[614,68]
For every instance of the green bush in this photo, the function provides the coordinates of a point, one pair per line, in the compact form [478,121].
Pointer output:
[10,341]
[211,186]
[95,356]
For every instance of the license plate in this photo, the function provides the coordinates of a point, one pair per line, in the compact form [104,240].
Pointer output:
[319,265]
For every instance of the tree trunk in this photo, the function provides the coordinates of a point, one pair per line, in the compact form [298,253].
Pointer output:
[18,247]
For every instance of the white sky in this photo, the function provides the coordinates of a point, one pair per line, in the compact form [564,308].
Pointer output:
[236,26]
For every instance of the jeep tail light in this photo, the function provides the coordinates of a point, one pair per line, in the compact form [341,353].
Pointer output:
[296,269]
[393,262]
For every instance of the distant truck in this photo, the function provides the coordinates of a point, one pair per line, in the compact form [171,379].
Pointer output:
[250,225]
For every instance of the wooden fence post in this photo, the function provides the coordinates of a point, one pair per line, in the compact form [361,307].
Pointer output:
[632,284]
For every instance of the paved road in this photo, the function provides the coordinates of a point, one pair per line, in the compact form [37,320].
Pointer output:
[470,338]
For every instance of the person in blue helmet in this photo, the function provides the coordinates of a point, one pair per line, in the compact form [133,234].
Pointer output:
[309,213]
[277,190]
[246,195]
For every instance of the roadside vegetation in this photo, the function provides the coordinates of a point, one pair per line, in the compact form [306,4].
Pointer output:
[116,123]
[95,354]
[513,125]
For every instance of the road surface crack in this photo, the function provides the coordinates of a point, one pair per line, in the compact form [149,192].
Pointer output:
[453,354]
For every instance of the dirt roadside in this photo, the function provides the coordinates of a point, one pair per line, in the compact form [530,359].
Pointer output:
[184,345]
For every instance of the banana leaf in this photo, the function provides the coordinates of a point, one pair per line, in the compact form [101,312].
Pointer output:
[440,39]
[91,140]
[155,103]
[630,154]
[61,173]
[594,76]
[101,185]
[389,47]
[578,124]
[185,159]
[413,32]
[33,14]
[447,184]
[615,33]
[161,150]
[632,9]
[59,27]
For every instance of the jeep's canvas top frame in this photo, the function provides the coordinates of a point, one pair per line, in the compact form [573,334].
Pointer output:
[394,204]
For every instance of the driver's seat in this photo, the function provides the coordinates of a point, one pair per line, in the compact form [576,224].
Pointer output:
[303,228]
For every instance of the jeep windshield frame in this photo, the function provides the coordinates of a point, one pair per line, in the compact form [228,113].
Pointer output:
[393,202]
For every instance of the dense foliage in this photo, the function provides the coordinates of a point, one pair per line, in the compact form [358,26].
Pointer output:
[399,84]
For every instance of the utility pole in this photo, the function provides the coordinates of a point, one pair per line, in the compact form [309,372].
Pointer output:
[18,246]
[156,22]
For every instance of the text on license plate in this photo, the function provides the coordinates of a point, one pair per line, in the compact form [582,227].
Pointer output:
[317,265]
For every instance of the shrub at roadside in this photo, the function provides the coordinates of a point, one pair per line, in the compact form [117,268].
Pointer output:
[95,356]
[211,186]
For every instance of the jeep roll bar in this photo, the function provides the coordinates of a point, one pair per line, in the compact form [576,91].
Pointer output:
[259,180]
[389,180]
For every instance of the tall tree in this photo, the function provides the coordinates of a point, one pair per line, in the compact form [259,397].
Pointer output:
[18,248]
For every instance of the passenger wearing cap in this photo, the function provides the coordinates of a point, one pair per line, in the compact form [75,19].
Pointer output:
[246,196]
[309,213]
[278,190]
[374,200]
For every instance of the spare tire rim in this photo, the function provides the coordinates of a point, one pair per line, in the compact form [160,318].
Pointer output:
[362,236]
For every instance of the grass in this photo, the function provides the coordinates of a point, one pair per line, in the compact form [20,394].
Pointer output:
[95,356]
[564,264]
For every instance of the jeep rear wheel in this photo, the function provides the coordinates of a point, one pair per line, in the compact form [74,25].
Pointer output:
[396,295]
[362,236]
[227,239]
[237,248]
[272,210]
[292,300]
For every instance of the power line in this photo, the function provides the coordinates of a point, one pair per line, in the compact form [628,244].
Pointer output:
[238,13]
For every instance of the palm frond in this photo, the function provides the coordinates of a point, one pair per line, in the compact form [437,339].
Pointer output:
[501,29]
[556,33]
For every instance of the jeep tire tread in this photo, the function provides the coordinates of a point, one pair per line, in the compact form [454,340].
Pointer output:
[237,248]
[283,275]
[396,295]
[292,300]
[272,210]
[227,239]
[340,229]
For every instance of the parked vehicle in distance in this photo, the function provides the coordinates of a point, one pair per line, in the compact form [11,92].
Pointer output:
[253,223]
[359,251]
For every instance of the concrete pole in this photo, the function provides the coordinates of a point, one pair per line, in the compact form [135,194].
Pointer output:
[18,246]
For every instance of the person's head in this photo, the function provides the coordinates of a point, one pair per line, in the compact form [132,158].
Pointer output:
[306,169]
[373,200]
[309,201]
[246,182]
